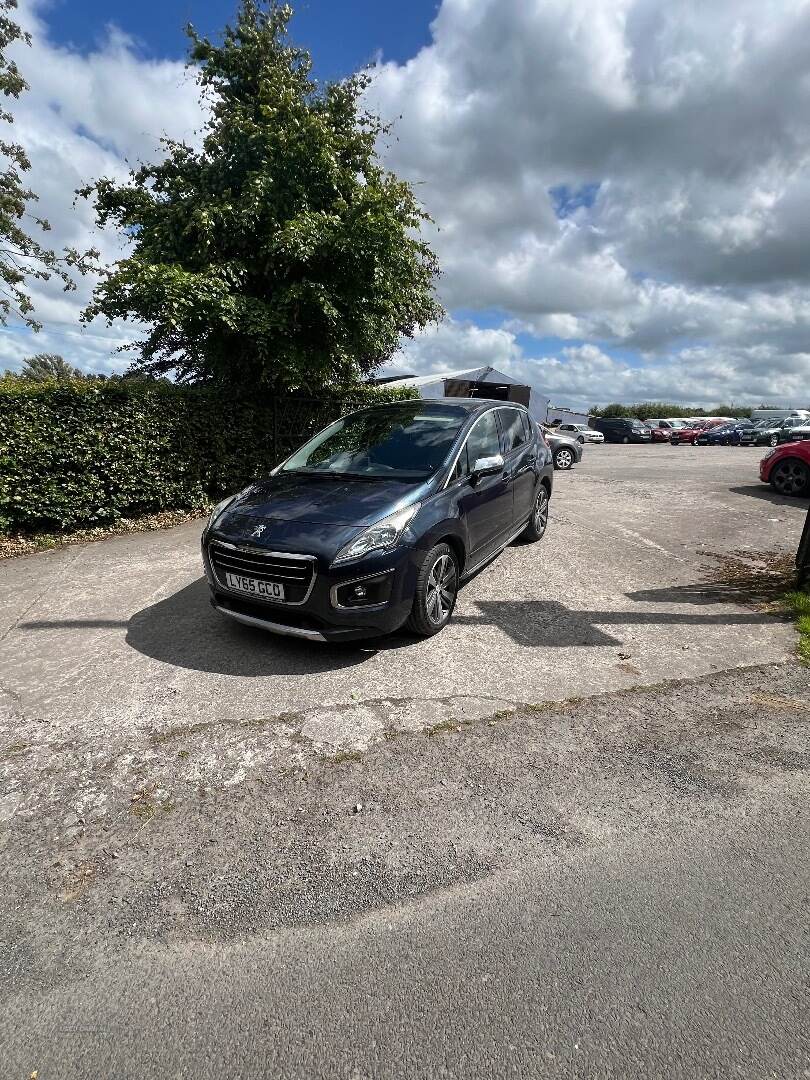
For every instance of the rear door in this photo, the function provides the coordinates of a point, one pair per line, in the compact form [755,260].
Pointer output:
[520,457]
[486,504]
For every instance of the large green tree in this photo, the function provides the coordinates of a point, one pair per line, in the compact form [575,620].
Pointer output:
[22,258]
[281,254]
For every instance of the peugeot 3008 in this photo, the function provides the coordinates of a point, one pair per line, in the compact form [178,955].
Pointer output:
[375,521]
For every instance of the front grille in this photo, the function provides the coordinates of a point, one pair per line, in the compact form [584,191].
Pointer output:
[295,572]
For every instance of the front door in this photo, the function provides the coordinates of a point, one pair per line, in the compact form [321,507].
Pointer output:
[487,501]
[520,456]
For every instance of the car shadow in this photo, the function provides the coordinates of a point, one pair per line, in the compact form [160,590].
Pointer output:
[699,594]
[537,623]
[185,631]
[766,493]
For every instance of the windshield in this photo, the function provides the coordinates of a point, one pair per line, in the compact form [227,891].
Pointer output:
[407,442]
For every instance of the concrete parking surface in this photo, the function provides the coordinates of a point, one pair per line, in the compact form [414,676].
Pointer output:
[119,637]
[568,837]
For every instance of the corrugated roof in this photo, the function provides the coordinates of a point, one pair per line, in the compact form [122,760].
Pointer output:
[474,374]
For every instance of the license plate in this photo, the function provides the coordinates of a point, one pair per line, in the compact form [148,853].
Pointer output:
[271,590]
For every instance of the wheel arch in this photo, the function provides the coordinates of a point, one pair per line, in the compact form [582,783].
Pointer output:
[456,544]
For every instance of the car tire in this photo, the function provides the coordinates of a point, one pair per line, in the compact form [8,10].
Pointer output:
[563,459]
[773,441]
[581,440]
[625,439]
[436,591]
[538,522]
[790,477]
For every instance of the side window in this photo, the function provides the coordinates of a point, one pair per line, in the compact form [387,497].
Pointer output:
[513,433]
[483,440]
[527,425]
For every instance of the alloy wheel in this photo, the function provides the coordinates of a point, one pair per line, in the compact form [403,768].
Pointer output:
[774,440]
[790,478]
[442,584]
[564,459]
[541,511]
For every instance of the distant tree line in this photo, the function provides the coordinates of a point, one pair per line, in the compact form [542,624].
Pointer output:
[646,409]
[51,367]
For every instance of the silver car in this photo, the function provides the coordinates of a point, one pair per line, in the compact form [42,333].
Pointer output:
[581,432]
[565,452]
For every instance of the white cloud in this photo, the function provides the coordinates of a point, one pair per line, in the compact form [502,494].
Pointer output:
[584,375]
[680,130]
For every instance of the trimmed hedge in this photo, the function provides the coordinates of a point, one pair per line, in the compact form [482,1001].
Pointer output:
[83,453]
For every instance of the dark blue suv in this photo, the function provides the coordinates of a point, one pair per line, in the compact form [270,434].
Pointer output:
[375,521]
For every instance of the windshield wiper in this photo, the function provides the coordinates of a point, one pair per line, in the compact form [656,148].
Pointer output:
[328,474]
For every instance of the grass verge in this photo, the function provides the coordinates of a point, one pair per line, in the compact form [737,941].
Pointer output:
[765,580]
[798,604]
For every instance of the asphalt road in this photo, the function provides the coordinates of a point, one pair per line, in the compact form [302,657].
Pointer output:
[223,873]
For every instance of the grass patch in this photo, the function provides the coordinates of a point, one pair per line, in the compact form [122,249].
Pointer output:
[344,756]
[447,726]
[798,604]
[751,577]
[144,804]
[13,750]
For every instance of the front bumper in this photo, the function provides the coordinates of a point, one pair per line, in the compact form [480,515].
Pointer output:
[330,611]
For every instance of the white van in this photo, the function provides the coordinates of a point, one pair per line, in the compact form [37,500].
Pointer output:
[667,423]
[780,414]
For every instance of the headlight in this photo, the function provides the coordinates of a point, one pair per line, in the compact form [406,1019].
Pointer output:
[381,536]
[218,509]
[771,453]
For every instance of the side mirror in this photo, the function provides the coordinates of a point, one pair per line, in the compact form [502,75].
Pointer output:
[488,466]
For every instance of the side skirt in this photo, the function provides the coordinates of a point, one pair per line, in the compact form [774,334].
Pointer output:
[483,562]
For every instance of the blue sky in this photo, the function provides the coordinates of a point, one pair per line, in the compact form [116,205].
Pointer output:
[342,34]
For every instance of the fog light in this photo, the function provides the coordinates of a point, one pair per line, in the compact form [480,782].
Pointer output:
[366,593]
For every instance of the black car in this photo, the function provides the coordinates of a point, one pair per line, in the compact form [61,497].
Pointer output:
[620,429]
[376,520]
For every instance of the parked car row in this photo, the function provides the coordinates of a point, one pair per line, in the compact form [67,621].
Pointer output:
[698,431]
[770,433]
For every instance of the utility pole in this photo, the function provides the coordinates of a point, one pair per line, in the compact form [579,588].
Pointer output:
[803,554]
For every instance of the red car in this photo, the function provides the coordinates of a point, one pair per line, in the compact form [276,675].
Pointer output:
[660,434]
[787,468]
[690,434]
